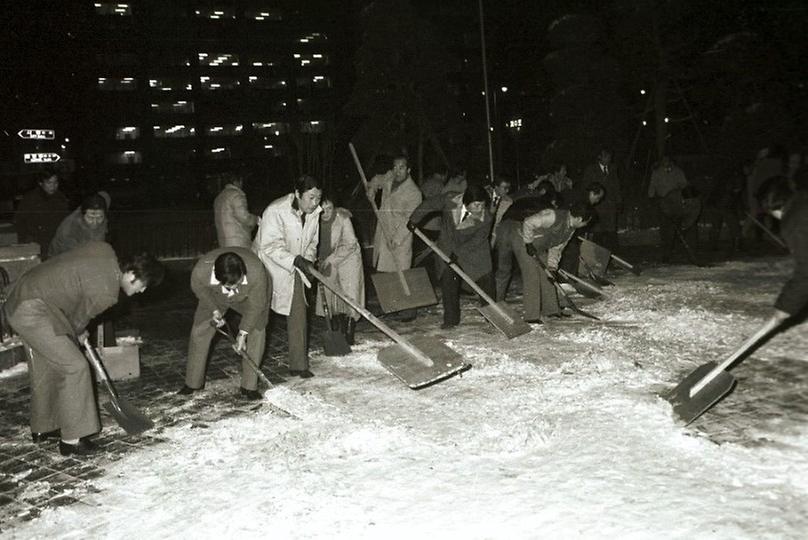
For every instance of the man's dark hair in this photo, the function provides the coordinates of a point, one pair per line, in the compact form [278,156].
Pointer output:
[145,267]
[305,183]
[596,188]
[546,187]
[44,174]
[229,268]
[93,202]
[581,209]
[476,193]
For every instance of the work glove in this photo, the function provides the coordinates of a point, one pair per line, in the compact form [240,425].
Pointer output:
[241,341]
[218,319]
[411,226]
[304,265]
[453,258]
[531,251]
[325,269]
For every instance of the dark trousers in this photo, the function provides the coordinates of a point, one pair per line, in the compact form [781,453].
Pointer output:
[504,253]
[450,291]
[297,328]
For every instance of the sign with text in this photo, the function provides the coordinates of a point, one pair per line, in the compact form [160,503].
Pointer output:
[41,157]
[39,134]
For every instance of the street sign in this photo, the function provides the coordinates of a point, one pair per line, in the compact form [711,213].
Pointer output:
[40,134]
[41,157]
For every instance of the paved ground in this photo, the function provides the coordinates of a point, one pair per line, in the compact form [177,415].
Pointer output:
[34,477]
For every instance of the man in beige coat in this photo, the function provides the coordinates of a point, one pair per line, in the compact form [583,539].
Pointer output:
[234,222]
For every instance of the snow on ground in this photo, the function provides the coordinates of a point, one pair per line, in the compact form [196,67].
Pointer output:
[557,434]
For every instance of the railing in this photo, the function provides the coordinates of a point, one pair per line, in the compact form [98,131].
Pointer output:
[167,234]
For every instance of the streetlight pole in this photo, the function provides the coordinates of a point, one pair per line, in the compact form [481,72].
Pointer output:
[485,93]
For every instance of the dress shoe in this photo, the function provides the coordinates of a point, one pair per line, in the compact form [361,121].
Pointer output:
[252,395]
[84,447]
[302,373]
[186,390]
[45,435]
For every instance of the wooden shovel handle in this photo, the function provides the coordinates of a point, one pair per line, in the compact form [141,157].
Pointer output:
[379,220]
[406,345]
[583,283]
[465,277]
[767,327]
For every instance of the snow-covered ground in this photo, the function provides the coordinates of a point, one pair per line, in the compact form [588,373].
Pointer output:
[555,434]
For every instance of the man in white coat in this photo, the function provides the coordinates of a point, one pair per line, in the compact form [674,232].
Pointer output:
[234,222]
[286,243]
[400,196]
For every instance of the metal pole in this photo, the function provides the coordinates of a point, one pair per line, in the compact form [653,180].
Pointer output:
[485,85]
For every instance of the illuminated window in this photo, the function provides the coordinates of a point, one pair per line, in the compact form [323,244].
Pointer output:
[224,130]
[312,126]
[273,149]
[216,12]
[271,83]
[126,157]
[169,84]
[218,152]
[311,59]
[321,81]
[112,8]
[127,132]
[217,59]
[176,131]
[218,83]
[116,83]
[270,129]
[180,106]
[259,60]
[265,14]
[314,37]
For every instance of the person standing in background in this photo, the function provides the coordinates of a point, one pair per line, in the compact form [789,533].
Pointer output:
[87,223]
[604,230]
[40,212]
[234,222]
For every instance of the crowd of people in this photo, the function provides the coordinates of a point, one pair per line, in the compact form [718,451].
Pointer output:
[481,228]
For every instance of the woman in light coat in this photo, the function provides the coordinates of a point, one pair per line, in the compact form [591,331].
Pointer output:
[286,243]
[340,258]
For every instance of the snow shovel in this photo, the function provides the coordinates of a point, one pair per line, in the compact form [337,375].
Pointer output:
[633,268]
[708,383]
[588,287]
[563,293]
[128,417]
[423,361]
[402,289]
[768,231]
[500,315]
[691,255]
[334,342]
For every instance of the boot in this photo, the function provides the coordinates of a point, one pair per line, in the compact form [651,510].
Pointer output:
[350,327]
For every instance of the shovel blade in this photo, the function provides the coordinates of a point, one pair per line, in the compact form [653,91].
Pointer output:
[688,408]
[513,328]
[334,344]
[412,371]
[127,416]
[393,297]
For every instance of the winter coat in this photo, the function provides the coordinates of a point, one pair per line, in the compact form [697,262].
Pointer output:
[467,239]
[280,238]
[234,223]
[74,231]
[609,207]
[75,286]
[251,300]
[549,231]
[345,262]
[394,211]
[793,297]
[38,216]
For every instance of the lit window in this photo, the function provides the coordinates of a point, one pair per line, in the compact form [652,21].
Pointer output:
[217,59]
[127,132]
[218,83]
[168,84]
[216,13]
[271,83]
[171,132]
[315,37]
[224,130]
[218,152]
[265,14]
[126,157]
[112,8]
[262,60]
[180,106]
[314,59]
[116,83]
[312,126]
[271,128]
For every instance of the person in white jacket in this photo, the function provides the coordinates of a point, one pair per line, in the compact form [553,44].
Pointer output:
[286,243]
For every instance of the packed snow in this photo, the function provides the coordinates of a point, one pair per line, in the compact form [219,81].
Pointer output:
[555,434]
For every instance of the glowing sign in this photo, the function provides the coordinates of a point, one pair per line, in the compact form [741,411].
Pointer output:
[40,134]
[41,157]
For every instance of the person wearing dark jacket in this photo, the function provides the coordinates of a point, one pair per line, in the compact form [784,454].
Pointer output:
[87,223]
[50,306]
[40,212]
[603,172]
[223,279]
[464,237]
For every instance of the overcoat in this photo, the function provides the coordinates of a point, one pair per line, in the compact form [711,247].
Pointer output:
[345,261]
[234,222]
[395,209]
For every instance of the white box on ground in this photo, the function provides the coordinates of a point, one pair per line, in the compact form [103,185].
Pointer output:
[122,362]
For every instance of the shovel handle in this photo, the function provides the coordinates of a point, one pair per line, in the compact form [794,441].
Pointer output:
[334,288]
[382,224]
[767,231]
[245,356]
[583,283]
[465,277]
[767,327]
[100,370]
